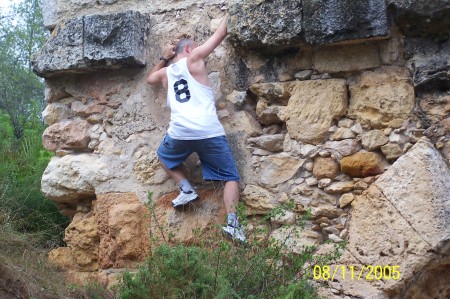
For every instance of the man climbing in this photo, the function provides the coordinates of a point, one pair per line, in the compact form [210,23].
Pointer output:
[194,125]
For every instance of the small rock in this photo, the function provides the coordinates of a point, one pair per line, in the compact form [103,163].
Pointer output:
[397,138]
[344,147]
[335,238]
[392,151]
[357,129]
[303,75]
[346,199]
[309,166]
[343,133]
[324,183]
[325,168]
[362,164]
[340,187]
[324,220]
[331,230]
[272,143]
[299,181]
[311,181]
[361,185]
[374,139]
[345,123]
[324,153]
[287,217]
[387,131]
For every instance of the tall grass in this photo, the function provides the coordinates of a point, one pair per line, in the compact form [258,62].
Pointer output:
[23,208]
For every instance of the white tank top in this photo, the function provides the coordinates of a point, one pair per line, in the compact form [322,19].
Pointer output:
[193,112]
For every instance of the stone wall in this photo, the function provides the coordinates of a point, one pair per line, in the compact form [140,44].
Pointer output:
[342,107]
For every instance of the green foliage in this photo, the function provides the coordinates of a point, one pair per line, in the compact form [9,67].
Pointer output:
[22,204]
[21,34]
[214,267]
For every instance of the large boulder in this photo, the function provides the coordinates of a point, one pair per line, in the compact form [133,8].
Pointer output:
[420,17]
[265,25]
[403,219]
[333,21]
[73,177]
[92,42]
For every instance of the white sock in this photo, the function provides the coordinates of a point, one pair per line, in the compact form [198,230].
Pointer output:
[232,219]
[185,186]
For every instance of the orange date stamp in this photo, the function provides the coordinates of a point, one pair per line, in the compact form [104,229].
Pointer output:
[370,272]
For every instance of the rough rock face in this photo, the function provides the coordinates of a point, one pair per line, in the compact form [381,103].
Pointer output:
[123,240]
[333,21]
[429,62]
[403,220]
[382,98]
[267,23]
[92,42]
[312,108]
[301,87]
[67,135]
[261,25]
[419,17]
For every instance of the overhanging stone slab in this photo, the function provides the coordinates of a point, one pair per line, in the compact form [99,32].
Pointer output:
[265,25]
[332,21]
[94,42]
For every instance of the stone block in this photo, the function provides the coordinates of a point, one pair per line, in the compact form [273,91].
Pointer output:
[73,177]
[49,13]
[73,135]
[123,226]
[362,164]
[382,98]
[279,168]
[334,21]
[92,42]
[265,25]
[312,108]
[346,58]
[63,51]
[418,185]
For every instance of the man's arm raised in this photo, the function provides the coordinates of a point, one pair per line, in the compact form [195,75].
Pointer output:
[202,51]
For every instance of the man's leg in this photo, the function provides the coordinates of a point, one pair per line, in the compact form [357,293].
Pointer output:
[177,174]
[231,196]
[171,154]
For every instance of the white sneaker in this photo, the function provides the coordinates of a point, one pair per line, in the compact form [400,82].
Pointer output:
[235,233]
[184,198]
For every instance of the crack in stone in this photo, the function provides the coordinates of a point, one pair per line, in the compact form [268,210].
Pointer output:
[398,211]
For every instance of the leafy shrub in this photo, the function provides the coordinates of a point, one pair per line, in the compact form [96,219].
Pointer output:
[214,267]
[22,162]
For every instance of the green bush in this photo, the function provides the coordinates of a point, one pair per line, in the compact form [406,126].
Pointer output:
[22,163]
[214,267]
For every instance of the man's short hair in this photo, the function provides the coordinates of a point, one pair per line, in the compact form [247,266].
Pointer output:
[182,43]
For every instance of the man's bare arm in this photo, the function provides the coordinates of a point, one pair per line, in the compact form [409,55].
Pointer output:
[202,51]
[157,74]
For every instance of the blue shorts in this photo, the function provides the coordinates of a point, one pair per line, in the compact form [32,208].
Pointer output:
[215,155]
